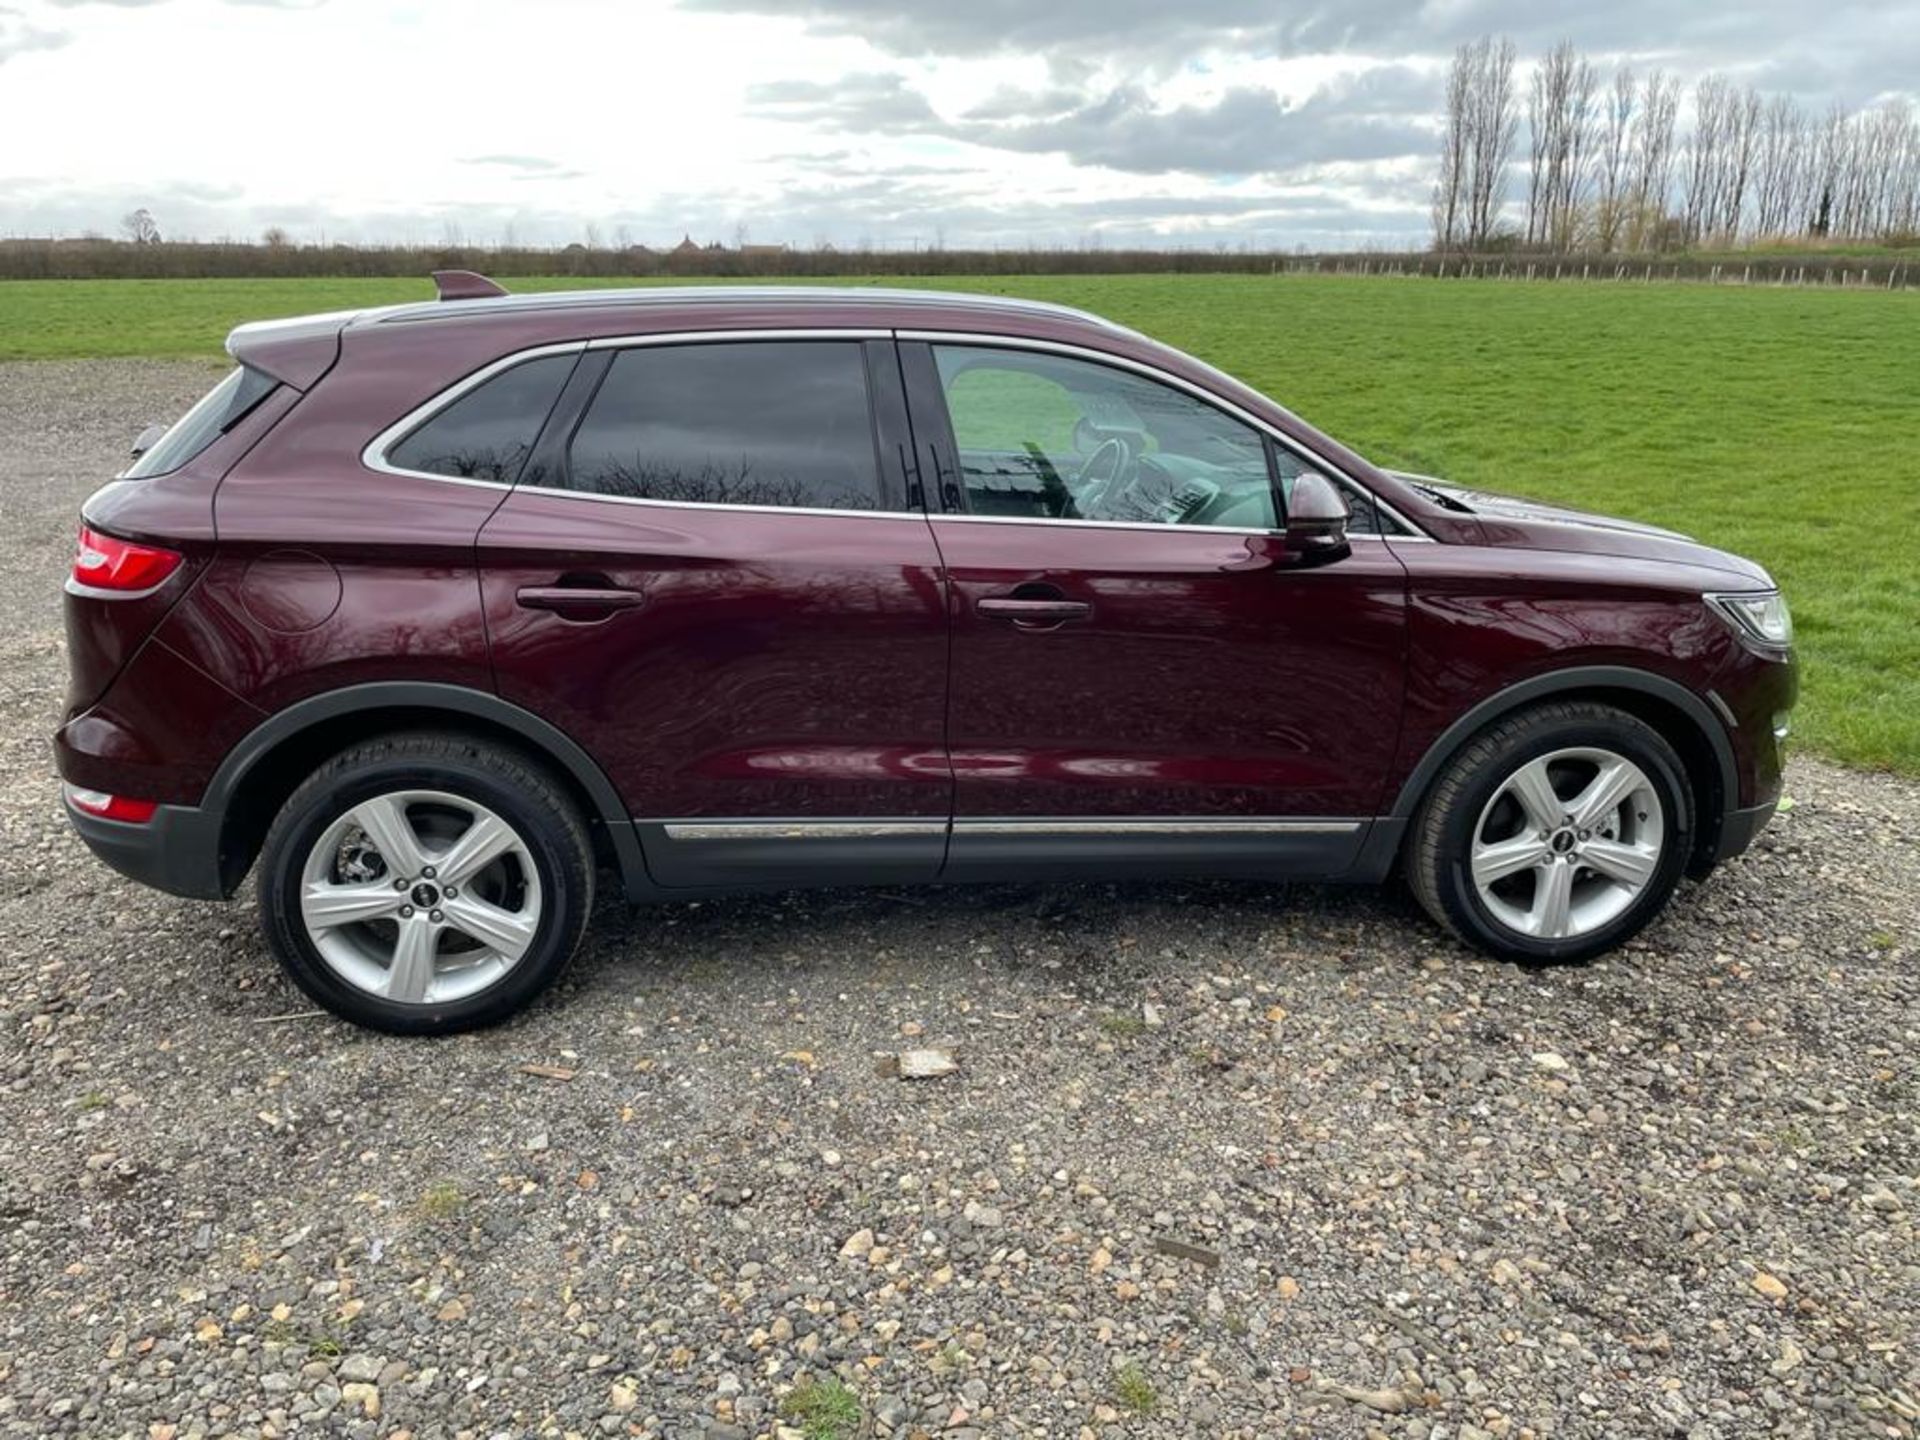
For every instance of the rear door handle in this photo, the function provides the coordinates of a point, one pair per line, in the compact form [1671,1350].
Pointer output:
[1033,612]
[578,599]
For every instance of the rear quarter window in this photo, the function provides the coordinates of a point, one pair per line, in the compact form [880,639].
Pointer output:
[489,431]
[217,412]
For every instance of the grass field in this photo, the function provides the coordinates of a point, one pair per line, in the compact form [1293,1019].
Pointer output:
[1782,423]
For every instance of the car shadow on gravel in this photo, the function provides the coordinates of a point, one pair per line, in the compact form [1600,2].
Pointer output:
[1096,937]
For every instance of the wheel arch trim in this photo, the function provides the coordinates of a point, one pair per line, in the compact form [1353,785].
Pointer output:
[1557,683]
[454,702]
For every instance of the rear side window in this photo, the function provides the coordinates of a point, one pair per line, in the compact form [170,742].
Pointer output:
[219,410]
[488,432]
[786,424]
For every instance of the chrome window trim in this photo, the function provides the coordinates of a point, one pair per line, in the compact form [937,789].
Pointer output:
[558,494]
[1199,392]
[1160,526]
[374,455]
[800,829]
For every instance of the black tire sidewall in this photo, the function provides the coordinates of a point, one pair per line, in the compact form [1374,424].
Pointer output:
[1625,737]
[564,891]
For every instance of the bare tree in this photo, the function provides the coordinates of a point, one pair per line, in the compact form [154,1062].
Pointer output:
[1496,124]
[1712,97]
[1448,191]
[1560,125]
[275,237]
[1653,159]
[1610,171]
[1602,165]
[1740,135]
[1779,166]
[140,226]
[1833,160]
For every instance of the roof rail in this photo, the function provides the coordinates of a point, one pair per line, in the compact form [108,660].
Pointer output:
[465,285]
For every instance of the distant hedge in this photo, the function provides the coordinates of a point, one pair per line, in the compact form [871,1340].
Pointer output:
[125,260]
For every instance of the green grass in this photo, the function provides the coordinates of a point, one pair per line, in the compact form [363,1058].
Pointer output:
[441,1200]
[823,1409]
[1779,422]
[1133,1390]
[1122,1027]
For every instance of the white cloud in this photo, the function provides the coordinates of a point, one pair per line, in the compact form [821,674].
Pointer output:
[1127,119]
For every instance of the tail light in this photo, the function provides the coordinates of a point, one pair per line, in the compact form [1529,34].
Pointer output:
[110,807]
[120,567]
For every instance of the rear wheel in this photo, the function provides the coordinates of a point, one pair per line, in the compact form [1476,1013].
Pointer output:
[1555,834]
[426,883]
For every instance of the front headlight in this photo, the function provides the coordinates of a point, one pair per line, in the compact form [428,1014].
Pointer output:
[1758,615]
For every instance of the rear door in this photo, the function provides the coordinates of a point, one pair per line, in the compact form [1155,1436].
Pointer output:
[1140,668]
[712,575]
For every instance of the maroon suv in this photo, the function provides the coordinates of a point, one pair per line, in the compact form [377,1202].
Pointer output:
[436,611]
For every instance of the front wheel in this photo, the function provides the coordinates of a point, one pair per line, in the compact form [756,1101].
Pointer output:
[423,884]
[1555,834]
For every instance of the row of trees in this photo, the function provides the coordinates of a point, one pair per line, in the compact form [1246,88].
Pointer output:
[1608,169]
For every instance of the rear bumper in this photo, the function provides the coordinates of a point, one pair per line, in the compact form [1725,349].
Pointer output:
[178,850]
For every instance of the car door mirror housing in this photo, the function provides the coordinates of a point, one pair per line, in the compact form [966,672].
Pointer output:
[147,439]
[1317,516]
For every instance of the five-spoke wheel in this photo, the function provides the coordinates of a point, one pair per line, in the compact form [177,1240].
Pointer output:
[1554,834]
[420,896]
[426,883]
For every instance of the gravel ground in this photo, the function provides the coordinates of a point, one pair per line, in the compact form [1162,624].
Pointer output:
[1217,1160]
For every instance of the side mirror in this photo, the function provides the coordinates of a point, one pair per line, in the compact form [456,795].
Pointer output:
[1317,517]
[147,439]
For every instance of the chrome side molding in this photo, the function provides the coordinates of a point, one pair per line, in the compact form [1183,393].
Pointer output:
[799,829]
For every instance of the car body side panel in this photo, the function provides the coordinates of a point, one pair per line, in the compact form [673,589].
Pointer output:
[1485,619]
[380,582]
[781,664]
[1209,679]
[158,733]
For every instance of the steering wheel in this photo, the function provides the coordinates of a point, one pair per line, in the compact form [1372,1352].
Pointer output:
[1090,485]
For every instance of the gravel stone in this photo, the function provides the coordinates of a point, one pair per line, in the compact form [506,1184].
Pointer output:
[216,1220]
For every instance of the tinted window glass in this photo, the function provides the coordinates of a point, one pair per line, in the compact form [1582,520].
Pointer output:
[487,432]
[783,423]
[218,411]
[1046,437]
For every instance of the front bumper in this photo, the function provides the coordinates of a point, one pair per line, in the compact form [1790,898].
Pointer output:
[1740,828]
[177,851]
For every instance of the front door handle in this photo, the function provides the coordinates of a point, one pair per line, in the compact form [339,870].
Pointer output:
[571,601]
[1024,611]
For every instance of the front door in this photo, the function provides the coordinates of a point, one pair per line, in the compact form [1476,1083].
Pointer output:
[1140,668]
[710,575]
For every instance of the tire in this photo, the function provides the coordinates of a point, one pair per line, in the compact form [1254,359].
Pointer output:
[1489,860]
[480,911]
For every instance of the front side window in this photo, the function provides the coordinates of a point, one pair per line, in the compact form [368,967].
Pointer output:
[488,432]
[1046,437]
[781,423]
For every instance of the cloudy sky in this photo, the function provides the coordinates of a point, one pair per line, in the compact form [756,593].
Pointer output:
[959,122]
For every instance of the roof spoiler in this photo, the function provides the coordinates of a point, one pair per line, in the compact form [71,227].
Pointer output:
[295,352]
[465,285]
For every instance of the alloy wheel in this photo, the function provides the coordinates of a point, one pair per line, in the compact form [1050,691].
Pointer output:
[1569,841]
[420,897]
